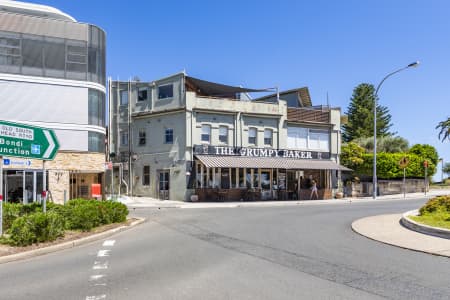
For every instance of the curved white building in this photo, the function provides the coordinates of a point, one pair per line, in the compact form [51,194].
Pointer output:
[52,74]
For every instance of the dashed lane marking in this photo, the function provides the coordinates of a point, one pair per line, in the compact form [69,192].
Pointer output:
[99,297]
[96,277]
[109,243]
[100,265]
[103,253]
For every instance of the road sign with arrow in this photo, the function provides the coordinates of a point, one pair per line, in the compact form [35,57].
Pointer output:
[20,140]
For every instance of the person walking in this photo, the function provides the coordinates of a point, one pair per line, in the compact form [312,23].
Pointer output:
[314,190]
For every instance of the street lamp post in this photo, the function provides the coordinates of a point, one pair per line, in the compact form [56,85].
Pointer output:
[414,64]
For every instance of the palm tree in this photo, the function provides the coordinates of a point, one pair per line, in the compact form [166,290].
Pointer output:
[445,129]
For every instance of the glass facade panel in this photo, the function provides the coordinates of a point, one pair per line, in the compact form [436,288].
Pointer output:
[319,139]
[96,108]
[96,142]
[54,57]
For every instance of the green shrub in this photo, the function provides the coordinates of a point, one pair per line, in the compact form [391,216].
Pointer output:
[118,211]
[87,214]
[439,203]
[63,210]
[11,211]
[22,232]
[37,227]
[83,217]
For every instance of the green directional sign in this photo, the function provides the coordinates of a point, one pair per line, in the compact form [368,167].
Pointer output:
[20,140]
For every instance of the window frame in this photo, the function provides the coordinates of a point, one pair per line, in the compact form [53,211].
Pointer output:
[268,130]
[255,130]
[202,134]
[121,102]
[146,175]
[123,138]
[223,127]
[168,132]
[142,137]
[169,95]
[139,90]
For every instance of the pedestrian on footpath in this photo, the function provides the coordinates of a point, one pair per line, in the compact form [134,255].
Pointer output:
[314,190]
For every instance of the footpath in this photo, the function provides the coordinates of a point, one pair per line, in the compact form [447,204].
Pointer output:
[383,228]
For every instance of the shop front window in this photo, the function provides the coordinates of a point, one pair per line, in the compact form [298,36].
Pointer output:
[248,179]
[225,178]
[241,178]
[255,178]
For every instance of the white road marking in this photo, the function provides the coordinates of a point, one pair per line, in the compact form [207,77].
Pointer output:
[102,253]
[96,277]
[96,297]
[100,284]
[99,265]
[109,243]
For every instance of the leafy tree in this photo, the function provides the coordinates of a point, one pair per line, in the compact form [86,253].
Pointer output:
[425,151]
[446,169]
[351,155]
[388,144]
[444,126]
[360,115]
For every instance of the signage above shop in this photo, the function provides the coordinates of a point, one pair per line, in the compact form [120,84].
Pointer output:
[20,140]
[259,152]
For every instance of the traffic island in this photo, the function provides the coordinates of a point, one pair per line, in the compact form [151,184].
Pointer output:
[71,239]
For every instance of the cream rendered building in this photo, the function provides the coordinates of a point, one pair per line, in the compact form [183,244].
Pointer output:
[181,136]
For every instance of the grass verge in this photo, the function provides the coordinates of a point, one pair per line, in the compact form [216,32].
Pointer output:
[435,213]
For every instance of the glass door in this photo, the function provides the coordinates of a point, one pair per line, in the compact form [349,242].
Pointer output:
[164,184]
[266,185]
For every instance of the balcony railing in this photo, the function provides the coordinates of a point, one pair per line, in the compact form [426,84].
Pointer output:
[308,115]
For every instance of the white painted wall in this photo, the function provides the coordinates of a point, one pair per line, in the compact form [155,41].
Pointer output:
[60,107]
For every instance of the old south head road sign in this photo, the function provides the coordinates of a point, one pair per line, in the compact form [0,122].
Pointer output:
[20,140]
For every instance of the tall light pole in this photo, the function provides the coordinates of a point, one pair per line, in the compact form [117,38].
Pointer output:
[414,64]
[441,160]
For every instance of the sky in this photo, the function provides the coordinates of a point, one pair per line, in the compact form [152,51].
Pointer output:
[328,46]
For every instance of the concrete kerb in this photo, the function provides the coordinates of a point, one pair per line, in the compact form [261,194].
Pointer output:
[147,202]
[69,244]
[422,228]
[387,229]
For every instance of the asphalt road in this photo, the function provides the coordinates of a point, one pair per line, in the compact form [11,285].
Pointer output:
[306,251]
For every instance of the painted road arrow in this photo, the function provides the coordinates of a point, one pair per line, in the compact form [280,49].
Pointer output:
[20,140]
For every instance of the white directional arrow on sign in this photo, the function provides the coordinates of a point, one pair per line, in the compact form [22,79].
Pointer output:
[51,144]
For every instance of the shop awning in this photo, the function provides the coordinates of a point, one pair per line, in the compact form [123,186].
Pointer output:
[215,161]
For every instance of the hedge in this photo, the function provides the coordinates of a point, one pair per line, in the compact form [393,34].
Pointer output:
[388,166]
[26,224]
[12,211]
[36,227]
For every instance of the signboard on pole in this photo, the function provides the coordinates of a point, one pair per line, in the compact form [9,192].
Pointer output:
[403,163]
[26,141]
